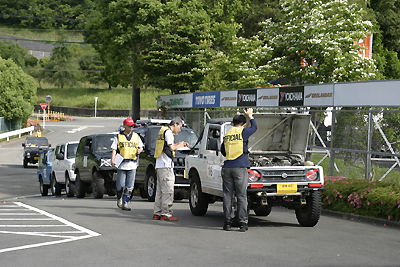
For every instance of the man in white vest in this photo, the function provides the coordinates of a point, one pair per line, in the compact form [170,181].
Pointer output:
[164,153]
[128,145]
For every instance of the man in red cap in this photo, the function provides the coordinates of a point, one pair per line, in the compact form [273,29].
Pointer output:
[128,145]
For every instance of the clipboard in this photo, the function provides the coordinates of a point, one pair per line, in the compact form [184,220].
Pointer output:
[118,160]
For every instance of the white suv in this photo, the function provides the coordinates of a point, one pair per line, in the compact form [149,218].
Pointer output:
[63,175]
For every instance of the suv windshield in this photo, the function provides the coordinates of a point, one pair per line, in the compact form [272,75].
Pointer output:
[71,151]
[187,135]
[103,143]
[32,142]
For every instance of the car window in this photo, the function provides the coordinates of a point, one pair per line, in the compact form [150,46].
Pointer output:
[71,151]
[187,135]
[32,142]
[103,143]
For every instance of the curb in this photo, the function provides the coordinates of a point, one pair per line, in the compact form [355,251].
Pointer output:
[360,218]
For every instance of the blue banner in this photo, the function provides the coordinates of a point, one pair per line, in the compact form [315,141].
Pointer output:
[206,99]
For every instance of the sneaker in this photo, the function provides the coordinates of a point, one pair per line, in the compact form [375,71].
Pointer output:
[125,207]
[227,227]
[119,203]
[243,227]
[156,217]
[170,218]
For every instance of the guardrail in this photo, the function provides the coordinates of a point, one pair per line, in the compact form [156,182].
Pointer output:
[17,132]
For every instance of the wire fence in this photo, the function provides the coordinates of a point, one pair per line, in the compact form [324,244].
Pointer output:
[353,142]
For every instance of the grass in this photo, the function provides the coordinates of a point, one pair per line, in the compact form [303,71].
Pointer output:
[120,98]
[42,35]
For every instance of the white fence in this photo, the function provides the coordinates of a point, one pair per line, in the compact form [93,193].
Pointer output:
[16,132]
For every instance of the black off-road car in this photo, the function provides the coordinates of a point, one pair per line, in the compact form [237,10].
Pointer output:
[32,147]
[146,178]
[93,169]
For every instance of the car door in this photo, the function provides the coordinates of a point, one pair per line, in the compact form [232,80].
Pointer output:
[214,158]
[57,164]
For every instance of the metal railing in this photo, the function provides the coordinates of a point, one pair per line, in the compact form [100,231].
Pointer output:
[17,132]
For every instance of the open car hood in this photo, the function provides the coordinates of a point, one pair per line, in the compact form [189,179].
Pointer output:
[280,134]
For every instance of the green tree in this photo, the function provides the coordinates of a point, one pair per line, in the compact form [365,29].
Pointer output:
[322,36]
[245,65]
[92,64]
[17,91]
[63,66]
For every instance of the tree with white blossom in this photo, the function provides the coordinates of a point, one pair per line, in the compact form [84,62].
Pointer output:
[315,42]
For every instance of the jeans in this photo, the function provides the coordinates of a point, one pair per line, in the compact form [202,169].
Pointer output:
[125,179]
[235,180]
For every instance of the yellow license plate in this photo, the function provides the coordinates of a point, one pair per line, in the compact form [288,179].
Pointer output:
[36,158]
[286,188]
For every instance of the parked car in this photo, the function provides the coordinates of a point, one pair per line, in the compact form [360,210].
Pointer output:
[146,178]
[93,169]
[44,170]
[63,175]
[32,147]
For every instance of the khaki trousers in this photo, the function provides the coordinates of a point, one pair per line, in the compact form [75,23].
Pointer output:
[165,192]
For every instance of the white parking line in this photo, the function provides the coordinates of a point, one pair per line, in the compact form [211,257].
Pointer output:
[63,235]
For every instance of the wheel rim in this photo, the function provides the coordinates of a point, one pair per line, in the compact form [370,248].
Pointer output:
[150,186]
[53,185]
[194,196]
[67,185]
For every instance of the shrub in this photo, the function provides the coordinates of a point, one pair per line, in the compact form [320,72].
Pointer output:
[363,197]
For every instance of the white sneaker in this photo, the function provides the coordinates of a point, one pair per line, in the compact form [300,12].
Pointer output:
[119,203]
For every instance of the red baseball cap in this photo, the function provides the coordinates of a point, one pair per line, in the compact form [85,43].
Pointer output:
[129,122]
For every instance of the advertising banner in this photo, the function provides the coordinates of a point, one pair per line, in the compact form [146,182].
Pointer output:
[206,99]
[318,95]
[268,97]
[176,101]
[247,98]
[228,99]
[292,96]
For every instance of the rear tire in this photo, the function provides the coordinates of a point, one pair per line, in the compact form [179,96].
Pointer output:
[143,193]
[25,163]
[44,189]
[98,185]
[69,186]
[308,215]
[80,187]
[198,201]
[151,185]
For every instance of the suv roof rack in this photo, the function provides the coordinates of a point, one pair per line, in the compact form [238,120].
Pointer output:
[147,122]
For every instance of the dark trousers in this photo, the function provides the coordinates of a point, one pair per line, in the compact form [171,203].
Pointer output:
[235,180]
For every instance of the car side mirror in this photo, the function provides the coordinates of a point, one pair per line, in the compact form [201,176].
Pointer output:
[49,145]
[23,144]
[214,145]
[86,150]
[59,156]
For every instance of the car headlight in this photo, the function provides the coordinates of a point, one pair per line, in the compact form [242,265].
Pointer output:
[73,166]
[28,154]
[312,175]
[254,175]
[105,163]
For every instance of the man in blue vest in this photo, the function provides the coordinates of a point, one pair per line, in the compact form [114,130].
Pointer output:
[234,171]
[129,145]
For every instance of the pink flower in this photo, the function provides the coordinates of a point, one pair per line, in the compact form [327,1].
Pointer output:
[389,218]
[382,202]
[392,193]
[368,203]
[340,196]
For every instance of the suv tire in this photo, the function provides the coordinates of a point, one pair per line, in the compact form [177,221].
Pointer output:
[69,186]
[80,187]
[98,184]
[54,186]
[198,201]
[308,215]
[151,186]
[44,189]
